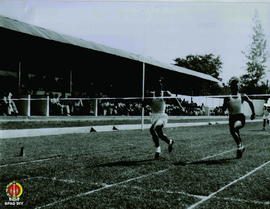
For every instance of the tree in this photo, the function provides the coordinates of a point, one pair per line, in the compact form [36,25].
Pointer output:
[208,64]
[252,81]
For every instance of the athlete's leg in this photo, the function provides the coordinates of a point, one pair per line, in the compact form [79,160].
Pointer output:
[235,134]
[242,119]
[161,135]
[155,140]
[239,138]
[237,129]
[154,135]
[264,123]
[236,122]
[159,130]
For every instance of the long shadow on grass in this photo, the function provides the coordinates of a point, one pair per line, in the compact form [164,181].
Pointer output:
[127,163]
[206,162]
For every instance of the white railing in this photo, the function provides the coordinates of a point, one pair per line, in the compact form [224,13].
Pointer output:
[45,105]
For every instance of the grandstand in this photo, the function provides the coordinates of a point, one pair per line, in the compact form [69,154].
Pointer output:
[59,64]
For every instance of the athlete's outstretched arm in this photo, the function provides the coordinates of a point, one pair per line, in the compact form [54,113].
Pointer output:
[225,104]
[248,100]
[178,102]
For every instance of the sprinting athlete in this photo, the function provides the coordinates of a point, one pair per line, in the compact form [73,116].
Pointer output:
[265,116]
[159,120]
[236,117]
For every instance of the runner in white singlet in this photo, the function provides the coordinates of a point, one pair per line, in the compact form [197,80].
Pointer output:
[159,119]
[234,103]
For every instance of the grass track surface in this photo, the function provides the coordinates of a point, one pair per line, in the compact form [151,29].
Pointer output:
[117,170]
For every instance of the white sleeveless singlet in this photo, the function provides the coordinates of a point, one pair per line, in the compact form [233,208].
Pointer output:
[235,105]
[158,115]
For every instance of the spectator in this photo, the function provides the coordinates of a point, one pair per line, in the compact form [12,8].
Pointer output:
[55,105]
[64,105]
[10,105]
[4,105]
[77,106]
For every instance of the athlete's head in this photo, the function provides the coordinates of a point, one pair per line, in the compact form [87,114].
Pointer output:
[234,83]
[9,95]
[159,86]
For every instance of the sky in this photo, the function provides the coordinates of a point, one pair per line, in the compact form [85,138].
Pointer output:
[163,30]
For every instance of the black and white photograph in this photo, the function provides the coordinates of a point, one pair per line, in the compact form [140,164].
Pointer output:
[130,104]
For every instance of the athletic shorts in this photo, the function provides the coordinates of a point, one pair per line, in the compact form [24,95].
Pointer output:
[237,117]
[266,117]
[159,118]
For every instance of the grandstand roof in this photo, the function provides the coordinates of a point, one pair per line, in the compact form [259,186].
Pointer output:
[37,31]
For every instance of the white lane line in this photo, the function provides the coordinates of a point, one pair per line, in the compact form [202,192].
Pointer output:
[215,155]
[53,158]
[102,188]
[70,181]
[178,192]
[226,186]
[32,161]
[222,153]
[165,191]
[244,201]
[199,196]
[122,182]
[46,159]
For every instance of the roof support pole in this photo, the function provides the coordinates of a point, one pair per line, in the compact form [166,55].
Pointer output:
[70,81]
[19,76]
[143,86]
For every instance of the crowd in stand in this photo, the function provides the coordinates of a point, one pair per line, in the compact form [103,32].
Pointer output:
[120,108]
[217,111]
[71,105]
[134,108]
[60,104]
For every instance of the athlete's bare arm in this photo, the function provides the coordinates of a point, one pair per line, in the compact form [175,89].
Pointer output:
[248,100]
[168,93]
[225,105]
